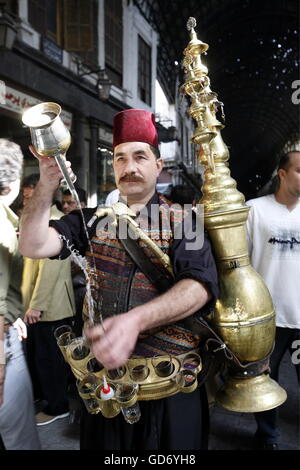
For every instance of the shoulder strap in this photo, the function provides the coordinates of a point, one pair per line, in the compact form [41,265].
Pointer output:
[155,276]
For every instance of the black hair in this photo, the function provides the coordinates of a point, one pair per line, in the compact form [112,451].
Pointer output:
[81,194]
[181,194]
[31,180]
[284,161]
[156,151]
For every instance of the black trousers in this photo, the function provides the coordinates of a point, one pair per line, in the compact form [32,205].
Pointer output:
[2,447]
[267,427]
[180,422]
[49,372]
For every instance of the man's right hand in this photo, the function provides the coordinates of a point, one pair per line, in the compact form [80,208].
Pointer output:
[50,174]
[37,239]
[113,342]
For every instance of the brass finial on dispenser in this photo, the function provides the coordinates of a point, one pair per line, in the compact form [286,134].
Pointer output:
[244,315]
[195,45]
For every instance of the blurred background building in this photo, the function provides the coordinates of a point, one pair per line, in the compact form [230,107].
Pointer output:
[97,57]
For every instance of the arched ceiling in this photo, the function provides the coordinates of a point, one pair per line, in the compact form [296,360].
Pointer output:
[253,60]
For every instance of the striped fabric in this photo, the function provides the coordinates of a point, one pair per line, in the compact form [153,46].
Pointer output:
[121,286]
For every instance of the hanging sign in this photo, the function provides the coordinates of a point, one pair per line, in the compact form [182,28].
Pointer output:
[18,102]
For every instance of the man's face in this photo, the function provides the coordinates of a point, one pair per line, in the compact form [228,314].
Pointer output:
[136,170]
[68,204]
[27,192]
[290,178]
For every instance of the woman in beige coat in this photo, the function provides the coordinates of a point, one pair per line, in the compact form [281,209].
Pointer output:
[48,303]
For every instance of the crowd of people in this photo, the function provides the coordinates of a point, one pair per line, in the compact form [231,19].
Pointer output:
[42,289]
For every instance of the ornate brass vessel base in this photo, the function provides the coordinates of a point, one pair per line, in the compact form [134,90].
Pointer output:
[251,394]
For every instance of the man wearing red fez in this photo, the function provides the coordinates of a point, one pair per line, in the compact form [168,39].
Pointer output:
[145,314]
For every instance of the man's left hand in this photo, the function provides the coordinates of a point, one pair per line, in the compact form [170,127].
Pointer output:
[32,316]
[113,343]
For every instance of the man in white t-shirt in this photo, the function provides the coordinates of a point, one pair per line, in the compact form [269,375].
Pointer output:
[273,230]
[112,197]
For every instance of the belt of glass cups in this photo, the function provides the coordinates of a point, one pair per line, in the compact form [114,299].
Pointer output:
[139,379]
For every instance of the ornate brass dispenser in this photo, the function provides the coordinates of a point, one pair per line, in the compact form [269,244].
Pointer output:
[244,316]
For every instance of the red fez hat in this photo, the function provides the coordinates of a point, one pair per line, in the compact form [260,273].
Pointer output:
[135,125]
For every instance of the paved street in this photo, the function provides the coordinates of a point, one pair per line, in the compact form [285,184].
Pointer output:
[234,431]
[229,430]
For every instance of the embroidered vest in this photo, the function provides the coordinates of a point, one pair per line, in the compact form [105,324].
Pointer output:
[121,285]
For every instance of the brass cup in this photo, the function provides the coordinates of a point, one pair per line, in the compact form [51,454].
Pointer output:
[48,132]
[162,367]
[49,135]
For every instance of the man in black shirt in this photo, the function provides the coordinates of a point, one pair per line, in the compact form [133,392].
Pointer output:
[130,304]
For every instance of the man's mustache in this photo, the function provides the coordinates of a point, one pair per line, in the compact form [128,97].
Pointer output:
[131,179]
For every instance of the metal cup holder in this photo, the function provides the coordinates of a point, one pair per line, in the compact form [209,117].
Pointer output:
[141,378]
